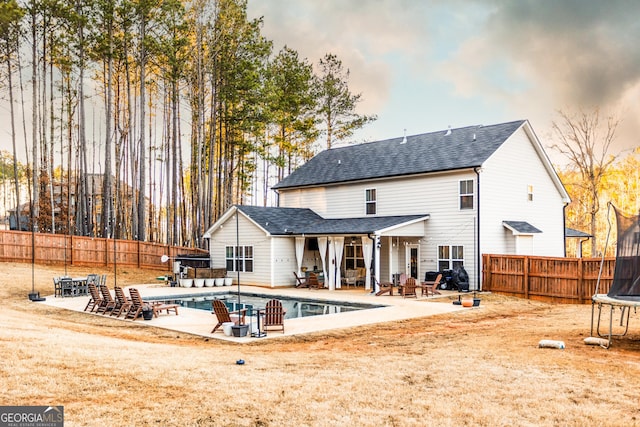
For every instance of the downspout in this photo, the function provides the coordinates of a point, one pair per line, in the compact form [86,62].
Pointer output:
[478,257]
[579,245]
[564,230]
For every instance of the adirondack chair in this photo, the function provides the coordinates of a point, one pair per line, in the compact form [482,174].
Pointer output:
[431,286]
[273,315]
[109,303]
[95,300]
[300,282]
[123,304]
[137,305]
[409,288]
[223,315]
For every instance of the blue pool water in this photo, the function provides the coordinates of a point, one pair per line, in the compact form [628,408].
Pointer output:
[295,307]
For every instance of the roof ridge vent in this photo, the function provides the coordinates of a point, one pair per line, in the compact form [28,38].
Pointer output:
[448,131]
[404,138]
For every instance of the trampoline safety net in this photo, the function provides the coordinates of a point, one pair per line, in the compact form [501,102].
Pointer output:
[626,278]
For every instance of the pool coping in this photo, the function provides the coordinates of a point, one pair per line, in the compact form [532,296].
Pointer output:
[201,322]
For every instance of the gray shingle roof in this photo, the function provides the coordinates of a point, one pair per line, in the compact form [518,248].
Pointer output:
[521,227]
[286,221]
[572,232]
[462,148]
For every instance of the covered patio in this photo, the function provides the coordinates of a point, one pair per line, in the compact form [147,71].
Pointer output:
[267,244]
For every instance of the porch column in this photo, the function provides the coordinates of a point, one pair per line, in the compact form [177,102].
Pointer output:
[376,261]
[367,250]
[299,252]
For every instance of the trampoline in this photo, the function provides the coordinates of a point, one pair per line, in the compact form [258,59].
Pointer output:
[624,293]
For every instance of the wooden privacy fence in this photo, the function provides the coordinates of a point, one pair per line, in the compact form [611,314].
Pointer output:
[565,280]
[60,249]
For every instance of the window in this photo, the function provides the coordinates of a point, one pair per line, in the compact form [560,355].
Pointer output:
[530,193]
[239,258]
[370,201]
[353,257]
[450,257]
[466,194]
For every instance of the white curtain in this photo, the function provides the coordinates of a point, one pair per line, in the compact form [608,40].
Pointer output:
[330,279]
[299,253]
[338,243]
[322,248]
[367,250]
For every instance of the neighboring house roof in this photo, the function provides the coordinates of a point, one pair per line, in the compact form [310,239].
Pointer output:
[570,232]
[297,221]
[452,149]
[521,227]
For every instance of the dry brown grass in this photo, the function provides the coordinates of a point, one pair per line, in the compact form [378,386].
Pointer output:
[479,367]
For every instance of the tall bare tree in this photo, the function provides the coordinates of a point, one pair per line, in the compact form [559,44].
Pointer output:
[585,141]
[10,15]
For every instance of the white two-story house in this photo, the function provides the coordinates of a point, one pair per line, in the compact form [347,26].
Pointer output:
[414,204]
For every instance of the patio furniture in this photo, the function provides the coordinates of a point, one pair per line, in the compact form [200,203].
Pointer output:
[223,315]
[313,282]
[95,300]
[273,315]
[350,278]
[109,303]
[159,308]
[385,288]
[57,287]
[137,305]
[361,276]
[431,286]
[409,288]
[66,287]
[300,283]
[123,304]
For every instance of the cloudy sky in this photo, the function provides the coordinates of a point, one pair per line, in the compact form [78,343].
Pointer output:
[424,65]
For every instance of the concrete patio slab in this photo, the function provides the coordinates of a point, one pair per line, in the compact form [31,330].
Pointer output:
[201,322]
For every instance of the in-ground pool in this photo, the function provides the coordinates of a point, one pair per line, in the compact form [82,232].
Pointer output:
[295,307]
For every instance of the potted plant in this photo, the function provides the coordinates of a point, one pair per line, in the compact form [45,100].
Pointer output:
[147,312]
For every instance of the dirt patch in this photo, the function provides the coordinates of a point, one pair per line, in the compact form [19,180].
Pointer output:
[476,367]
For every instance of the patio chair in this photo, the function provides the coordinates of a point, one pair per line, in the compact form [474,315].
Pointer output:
[385,287]
[313,281]
[409,288]
[66,287]
[95,300]
[223,315]
[273,315]
[431,286]
[57,287]
[350,278]
[123,304]
[108,302]
[300,282]
[361,276]
[137,305]
[93,278]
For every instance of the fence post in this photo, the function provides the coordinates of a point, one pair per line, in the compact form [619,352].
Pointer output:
[580,281]
[525,277]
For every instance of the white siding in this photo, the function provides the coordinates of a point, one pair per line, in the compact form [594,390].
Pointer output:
[504,182]
[250,235]
[435,194]
[284,261]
